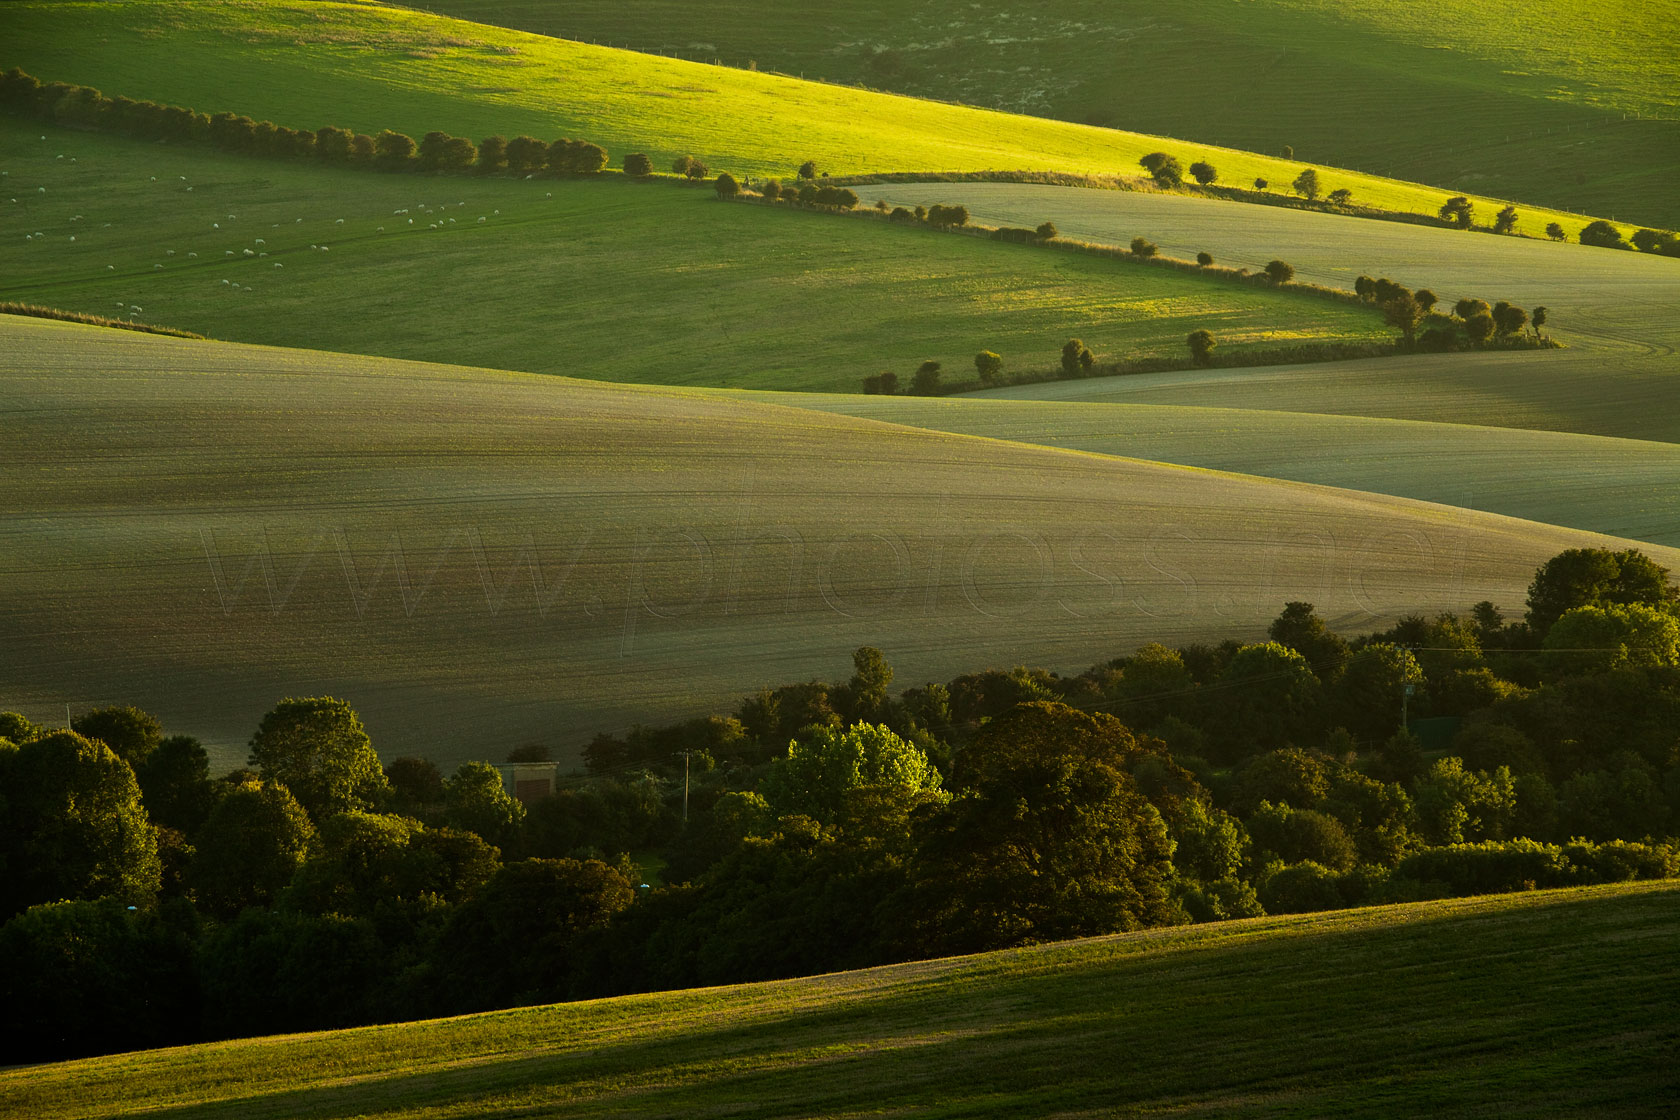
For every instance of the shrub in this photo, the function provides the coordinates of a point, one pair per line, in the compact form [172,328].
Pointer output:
[1604,235]
[808,169]
[806,195]
[1046,231]
[393,151]
[1508,318]
[1301,889]
[1306,184]
[681,164]
[576,157]
[1201,345]
[1076,358]
[1538,319]
[1262,184]
[1494,867]
[362,149]
[1555,232]
[947,217]
[1426,299]
[726,186]
[1143,247]
[988,365]
[900,214]
[1404,313]
[492,154]
[1204,259]
[1341,196]
[1479,327]
[1365,287]
[638,164]
[697,170]
[1281,272]
[926,381]
[889,382]
[1458,210]
[840,198]
[771,190]
[1288,151]
[332,145]
[1506,220]
[1203,172]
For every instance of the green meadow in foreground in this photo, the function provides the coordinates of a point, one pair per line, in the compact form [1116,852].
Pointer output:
[1548,1004]
[370,66]
[609,279]
[1574,103]
[477,557]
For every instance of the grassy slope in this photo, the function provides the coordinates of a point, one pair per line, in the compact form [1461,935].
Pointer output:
[611,280]
[1623,487]
[1550,1004]
[1617,378]
[1504,97]
[312,63]
[690,548]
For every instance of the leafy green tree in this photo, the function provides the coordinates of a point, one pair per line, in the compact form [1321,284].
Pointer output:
[926,381]
[15,729]
[72,825]
[1204,172]
[393,151]
[697,170]
[316,747]
[1289,776]
[1204,259]
[1049,838]
[1506,220]
[1202,346]
[175,784]
[1272,698]
[332,145]
[1378,815]
[476,800]
[1628,634]
[1294,835]
[1602,234]
[254,842]
[1538,320]
[130,732]
[1211,843]
[1262,184]
[1302,888]
[1458,806]
[771,190]
[512,943]
[1621,801]
[824,765]
[726,185]
[416,784]
[1164,169]
[1426,300]
[492,154]
[946,217]
[808,169]
[1046,231]
[1479,327]
[1556,232]
[526,154]
[988,365]
[92,977]
[1143,247]
[1404,313]
[1076,358]
[1281,272]
[1468,308]
[273,971]
[1298,628]
[638,164]
[1582,577]
[1509,319]
[1341,196]
[1459,210]
[1370,695]
[1306,184]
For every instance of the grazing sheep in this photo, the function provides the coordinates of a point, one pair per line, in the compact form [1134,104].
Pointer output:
[260,241]
[277,265]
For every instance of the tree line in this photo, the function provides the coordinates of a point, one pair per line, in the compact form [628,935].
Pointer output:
[83,107]
[831,825]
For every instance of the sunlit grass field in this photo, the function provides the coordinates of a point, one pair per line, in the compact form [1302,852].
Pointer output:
[1544,1004]
[479,559]
[368,66]
[1574,103]
[614,280]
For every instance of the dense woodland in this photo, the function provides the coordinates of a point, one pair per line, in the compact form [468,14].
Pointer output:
[835,825]
[831,826]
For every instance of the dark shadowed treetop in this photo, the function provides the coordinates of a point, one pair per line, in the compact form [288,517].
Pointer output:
[1584,577]
[132,733]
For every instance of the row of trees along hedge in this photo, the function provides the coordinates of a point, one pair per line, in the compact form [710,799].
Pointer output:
[836,825]
[82,107]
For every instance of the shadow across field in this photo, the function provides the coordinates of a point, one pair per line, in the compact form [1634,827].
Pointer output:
[1549,1004]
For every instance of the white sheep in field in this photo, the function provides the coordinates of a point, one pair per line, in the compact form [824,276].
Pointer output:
[225,283]
[110,268]
[215,225]
[481,220]
[157,266]
[133,307]
[169,252]
[277,265]
[250,252]
[339,222]
[190,256]
[260,241]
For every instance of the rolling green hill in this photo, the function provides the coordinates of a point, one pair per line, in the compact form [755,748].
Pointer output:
[612,280]
[477,558]
[1573,103]
[306,63]
[1544,1004]
[1623,487]
[1617,377]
